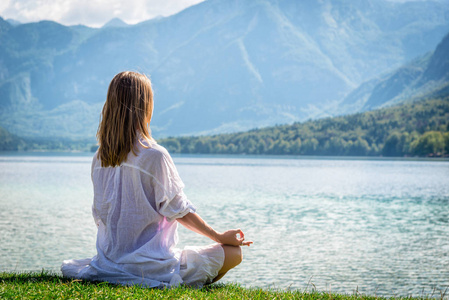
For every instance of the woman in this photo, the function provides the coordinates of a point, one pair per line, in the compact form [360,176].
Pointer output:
[139,200]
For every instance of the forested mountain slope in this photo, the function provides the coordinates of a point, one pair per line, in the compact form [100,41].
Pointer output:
[415,129]
[10,142]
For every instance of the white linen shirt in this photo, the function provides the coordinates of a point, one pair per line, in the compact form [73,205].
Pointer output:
[135,207]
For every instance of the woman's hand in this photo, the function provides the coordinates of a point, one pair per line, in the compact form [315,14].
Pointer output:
[233,237]
[194,222]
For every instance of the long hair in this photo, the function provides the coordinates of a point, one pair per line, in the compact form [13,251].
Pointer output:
[125,118]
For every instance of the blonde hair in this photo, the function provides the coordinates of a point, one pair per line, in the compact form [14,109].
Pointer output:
[125,118]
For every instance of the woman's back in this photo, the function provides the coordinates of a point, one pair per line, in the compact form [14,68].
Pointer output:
[132,205]
[135,208]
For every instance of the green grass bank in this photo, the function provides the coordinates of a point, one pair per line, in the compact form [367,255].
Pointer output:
[46,285]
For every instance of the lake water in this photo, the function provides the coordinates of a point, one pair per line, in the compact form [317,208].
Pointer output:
[376,226]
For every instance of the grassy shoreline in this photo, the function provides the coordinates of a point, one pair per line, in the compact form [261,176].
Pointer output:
[47,285]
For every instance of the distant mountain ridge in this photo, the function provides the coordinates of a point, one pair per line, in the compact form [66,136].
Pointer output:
[219,66]
[13,22]
[426,76]
[115,22]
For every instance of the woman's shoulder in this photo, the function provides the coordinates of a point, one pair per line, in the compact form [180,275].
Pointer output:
[95,160]
[154,149]
[154,153]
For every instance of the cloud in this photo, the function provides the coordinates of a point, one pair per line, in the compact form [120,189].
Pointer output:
[90,12]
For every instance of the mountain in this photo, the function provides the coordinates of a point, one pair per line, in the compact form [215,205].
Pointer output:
[426,76]
[13,22]
[115,22]
[218,66]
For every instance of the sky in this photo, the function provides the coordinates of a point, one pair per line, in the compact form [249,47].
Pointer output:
[94,13]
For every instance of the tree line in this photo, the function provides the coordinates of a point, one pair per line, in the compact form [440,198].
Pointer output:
[414,129]
[11,142]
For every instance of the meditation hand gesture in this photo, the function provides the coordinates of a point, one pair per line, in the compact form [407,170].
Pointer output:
[233,237]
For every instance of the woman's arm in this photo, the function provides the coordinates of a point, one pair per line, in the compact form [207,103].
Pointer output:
[194,222]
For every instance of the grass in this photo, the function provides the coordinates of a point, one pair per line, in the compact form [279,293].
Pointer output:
[46,285]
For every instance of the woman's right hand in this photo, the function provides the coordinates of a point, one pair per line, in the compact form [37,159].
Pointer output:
[233,237]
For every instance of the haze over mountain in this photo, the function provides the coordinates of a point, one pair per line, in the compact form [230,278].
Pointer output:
[222,65]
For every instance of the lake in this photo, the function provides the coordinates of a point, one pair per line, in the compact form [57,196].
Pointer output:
[374,225]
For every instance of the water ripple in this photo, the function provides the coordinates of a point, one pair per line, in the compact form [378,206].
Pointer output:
[378,227]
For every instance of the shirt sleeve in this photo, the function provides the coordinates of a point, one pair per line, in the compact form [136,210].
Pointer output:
[96,216]
[94,210]
[171,202]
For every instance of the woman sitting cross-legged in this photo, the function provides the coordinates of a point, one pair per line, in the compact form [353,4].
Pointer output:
[139,201]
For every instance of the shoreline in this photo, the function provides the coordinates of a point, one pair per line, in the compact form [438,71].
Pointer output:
[243,156]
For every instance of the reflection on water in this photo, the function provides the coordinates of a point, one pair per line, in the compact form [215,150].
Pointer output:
[378,226]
